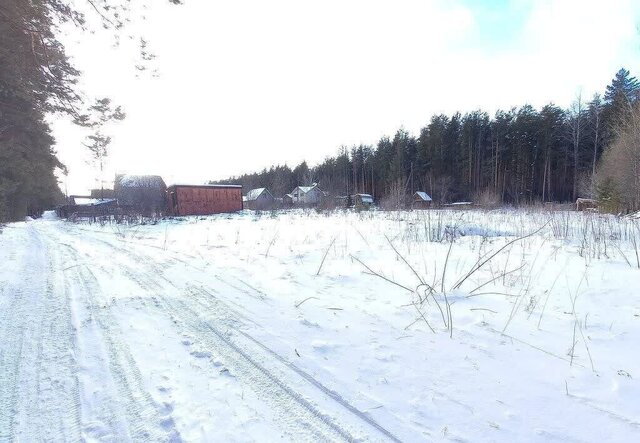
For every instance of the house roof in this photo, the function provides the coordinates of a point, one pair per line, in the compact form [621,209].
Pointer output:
[84,201]
[423,196]
[139,181]
[255,193]
[306,189]
[366,198]
[185,185]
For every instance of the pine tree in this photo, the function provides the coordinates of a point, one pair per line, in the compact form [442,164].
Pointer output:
[619,98]
[623,86]
[608,195]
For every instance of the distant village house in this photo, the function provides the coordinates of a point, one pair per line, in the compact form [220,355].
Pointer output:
[362,201]
[259,199]
[421,200]
[307,195]
[586,204]
[86,206]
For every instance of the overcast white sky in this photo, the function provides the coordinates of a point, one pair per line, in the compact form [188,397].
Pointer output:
[249,83]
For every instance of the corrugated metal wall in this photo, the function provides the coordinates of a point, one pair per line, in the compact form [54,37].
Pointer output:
[193,200]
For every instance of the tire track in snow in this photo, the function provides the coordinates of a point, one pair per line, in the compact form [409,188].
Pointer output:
[38,382]
[11,339]
[247,358]
[213,304]
[131,410]
[57,389]
[300,419]
[11,342]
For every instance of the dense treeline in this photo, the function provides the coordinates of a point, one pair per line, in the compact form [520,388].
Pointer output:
[522,155]
[37,80]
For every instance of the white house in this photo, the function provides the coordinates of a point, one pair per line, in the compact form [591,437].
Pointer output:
[307,195]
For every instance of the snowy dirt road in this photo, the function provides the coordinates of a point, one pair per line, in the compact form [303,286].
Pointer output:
[79,361]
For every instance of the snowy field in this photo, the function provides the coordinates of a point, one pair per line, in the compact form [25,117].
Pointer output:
[380,326]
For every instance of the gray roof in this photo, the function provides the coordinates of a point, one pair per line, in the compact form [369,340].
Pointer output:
[366,198]
[139,181]
[306,189]
[423,195]
[255,193]
[191,185]
[142,191]
[92,201]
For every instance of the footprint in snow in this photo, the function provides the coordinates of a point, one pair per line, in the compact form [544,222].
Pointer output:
[201,354]
[306,322]
[322,346]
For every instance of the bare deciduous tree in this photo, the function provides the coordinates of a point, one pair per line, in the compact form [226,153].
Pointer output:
[619,170]
[576,125]
[595,109]
[100,115]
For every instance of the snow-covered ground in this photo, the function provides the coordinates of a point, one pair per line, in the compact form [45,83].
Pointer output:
[305,326]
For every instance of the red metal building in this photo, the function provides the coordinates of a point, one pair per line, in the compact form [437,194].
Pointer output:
[204,199]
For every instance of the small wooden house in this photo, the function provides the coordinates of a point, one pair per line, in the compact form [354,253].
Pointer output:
[203,199]
[259,199]
[586,204]
[362,201]
[421,200]
[87,207]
